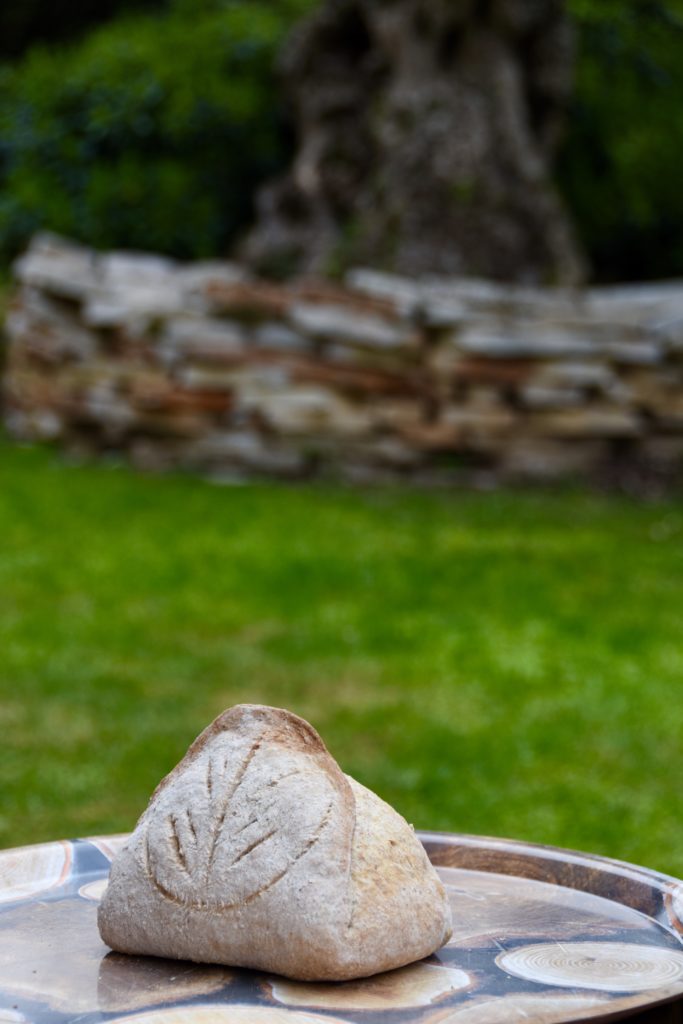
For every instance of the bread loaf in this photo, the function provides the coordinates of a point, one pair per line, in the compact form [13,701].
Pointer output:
[257,851]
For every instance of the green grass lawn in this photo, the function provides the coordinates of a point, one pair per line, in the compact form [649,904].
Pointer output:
[506,664]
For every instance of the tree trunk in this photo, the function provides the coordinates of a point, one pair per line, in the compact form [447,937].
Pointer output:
[426,131]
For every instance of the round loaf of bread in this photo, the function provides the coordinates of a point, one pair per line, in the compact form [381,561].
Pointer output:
[257,851]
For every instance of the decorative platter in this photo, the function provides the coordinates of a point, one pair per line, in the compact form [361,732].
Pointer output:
[541,936]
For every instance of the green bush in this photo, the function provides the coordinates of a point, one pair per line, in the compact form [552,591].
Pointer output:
[152,133]
[620,169]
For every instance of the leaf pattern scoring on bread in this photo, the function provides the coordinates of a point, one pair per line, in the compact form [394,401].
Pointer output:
[206,848]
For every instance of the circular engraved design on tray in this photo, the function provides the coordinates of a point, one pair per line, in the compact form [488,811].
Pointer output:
[234,1013]
[94,890]
[603,966]
[416,985]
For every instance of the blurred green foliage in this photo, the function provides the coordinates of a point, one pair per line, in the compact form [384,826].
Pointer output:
[152,133]
[621,166]
[155,130]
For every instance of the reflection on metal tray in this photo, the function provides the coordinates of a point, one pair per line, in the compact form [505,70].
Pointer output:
[541,936]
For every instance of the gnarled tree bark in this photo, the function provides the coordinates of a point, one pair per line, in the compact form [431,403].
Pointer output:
[426,131]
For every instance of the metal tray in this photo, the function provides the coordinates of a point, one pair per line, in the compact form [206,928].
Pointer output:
[541,936]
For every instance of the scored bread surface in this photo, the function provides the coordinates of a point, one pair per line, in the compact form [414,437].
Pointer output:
[257,851]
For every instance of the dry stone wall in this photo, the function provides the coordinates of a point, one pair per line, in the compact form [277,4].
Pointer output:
[203,367]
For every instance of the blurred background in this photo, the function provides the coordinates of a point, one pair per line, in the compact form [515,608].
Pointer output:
[150,124]
[490,655]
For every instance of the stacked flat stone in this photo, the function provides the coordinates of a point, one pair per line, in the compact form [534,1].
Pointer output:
[202,366]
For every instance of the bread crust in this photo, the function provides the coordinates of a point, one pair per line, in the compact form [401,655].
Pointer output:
[257,851]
